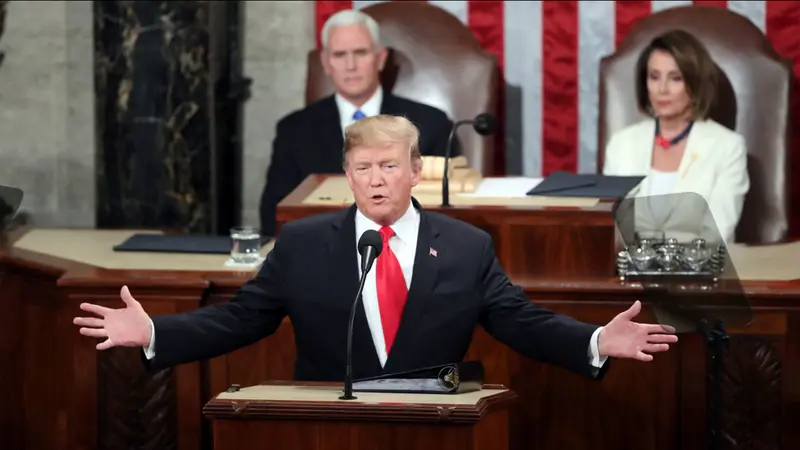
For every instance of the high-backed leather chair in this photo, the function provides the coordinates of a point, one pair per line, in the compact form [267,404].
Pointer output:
[434,59]
[754,100]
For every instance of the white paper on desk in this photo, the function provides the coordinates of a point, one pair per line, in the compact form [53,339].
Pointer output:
[507,187]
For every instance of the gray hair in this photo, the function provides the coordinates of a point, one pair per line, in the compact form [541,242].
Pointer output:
[350,17]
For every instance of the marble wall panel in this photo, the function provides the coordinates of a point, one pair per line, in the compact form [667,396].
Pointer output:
[154,100]
[47,112]
[48,138]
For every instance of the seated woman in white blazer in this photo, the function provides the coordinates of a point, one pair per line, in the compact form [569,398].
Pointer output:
[680,149]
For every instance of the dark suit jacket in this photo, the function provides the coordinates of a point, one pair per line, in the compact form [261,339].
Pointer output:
[311,275]
[310,141]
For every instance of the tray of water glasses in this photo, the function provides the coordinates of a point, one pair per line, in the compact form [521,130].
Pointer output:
[670,260]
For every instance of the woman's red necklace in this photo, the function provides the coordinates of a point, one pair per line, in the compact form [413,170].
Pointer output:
[665,143]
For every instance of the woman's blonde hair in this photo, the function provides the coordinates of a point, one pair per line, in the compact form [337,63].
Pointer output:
[380,131]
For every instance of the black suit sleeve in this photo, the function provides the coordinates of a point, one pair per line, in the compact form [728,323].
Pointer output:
[255,312]
[283,176]
[511,318]
[441,136]
[434,133]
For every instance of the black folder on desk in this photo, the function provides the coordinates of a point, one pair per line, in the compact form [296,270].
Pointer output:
[10,199]
[176,243]
[455,378]
[565,184]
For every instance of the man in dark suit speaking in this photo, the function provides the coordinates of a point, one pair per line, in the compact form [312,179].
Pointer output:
[310,140]
[434,281]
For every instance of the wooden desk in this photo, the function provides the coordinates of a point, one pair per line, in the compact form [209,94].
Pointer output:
[58,392]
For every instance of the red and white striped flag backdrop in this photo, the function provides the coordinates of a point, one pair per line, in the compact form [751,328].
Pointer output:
[551,52]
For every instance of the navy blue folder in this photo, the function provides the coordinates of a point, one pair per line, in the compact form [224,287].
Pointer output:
[10,199]
[176,243]
[565,184]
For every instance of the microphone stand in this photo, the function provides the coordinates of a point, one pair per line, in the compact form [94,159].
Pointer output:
[447,151]
[348,374]
[717,341]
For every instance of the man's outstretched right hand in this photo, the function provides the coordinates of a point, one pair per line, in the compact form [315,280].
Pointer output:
[125,327]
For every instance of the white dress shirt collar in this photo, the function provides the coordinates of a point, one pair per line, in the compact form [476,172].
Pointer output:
[405,228]
[372,107]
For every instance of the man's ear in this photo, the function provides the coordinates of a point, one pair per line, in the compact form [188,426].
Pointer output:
[323,59]
[416,171]
[349,177]
[347,172]
[383,54]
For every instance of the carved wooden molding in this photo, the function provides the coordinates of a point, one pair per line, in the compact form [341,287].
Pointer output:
[752,391]
[134,408]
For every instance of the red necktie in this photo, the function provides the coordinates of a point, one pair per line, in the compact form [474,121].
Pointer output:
[392,291]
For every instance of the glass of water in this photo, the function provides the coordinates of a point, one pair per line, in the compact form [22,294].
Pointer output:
[246,245]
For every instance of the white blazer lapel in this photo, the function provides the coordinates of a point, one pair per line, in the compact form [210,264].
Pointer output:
[642,155]
[695,145]
[641,160]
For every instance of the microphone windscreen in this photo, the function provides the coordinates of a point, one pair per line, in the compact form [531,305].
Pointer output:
[485,124]
[370,238]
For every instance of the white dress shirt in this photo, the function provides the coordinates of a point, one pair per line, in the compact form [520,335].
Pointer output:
[346,109]
[404,246]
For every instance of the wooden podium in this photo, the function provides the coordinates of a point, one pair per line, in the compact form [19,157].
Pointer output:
[310,416]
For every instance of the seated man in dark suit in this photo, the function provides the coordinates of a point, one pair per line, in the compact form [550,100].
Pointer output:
[310,140]
[439,274]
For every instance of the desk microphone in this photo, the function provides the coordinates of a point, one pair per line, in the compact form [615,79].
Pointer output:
[370,245]
[484,124]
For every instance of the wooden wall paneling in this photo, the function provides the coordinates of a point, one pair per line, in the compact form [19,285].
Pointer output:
[11,357]
[790,374]
[114,402]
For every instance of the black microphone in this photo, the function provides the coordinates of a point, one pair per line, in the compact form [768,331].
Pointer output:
[370,245]
[484,124]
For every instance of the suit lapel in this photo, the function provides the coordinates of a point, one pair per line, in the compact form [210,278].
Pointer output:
[695,144]
[331,125]
[426,270]
[344,275]
[388,105]
[639,161]
[644,159]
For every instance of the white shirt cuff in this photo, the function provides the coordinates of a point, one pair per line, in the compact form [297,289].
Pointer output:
[594,351]
[150,351]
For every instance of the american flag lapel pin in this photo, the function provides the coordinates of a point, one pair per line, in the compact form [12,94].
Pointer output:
[432,252]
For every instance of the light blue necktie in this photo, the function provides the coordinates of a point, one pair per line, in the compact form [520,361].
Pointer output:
[358,115]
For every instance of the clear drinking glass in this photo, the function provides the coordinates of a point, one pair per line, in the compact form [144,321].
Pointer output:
[246,245]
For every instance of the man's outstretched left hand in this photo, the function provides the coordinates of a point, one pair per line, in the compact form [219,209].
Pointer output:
[624,338]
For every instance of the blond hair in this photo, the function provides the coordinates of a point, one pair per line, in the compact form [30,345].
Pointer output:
[381,131]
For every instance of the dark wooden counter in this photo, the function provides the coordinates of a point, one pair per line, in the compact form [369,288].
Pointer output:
[58,392]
